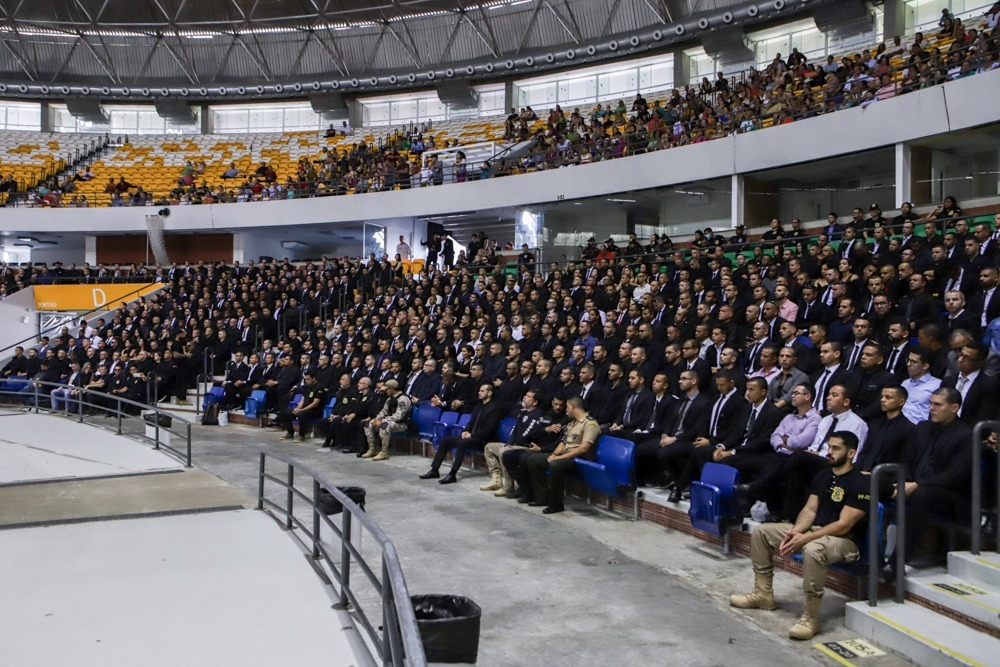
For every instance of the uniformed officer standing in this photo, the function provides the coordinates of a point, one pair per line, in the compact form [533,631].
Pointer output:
[581,436]
[827,531]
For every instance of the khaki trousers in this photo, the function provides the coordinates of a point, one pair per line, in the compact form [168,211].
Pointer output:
[494,457]
[816,555]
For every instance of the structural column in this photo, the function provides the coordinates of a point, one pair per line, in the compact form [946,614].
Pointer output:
[904,157]
[738,206]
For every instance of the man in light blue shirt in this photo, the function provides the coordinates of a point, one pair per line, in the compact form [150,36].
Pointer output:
[919,386]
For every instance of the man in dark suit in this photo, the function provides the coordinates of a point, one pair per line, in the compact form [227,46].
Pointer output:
[978,391]
[236,379]
[483,423]
[593,394]
[831,373]
[725,423]
[636,411]
[958,316]
[811,309]
[690,422]
[692,362]
[872,379]
[423,384]
[940,470]
[660,416]
[987,302]
[898,347]
[758,422]
[888,438]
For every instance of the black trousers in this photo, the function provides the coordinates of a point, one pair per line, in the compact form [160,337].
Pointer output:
[936,500]
[461,445]
[647,461]
[286,417]
[692,467]
[673,459]
[551,487]
[516,463]
[341,433]
[789,480]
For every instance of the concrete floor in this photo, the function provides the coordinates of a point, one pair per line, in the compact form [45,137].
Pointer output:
[583,587]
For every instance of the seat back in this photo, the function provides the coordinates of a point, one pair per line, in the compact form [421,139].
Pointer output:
[328,410]
[254,403]
[506,428]
[295,402]
[714,506]
[618,455]
[441,427]
[214,395]
[424,417]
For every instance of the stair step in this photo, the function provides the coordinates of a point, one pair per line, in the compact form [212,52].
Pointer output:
[922,636]
[979,601]
[981,569]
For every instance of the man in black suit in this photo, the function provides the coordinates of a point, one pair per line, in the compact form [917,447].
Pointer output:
[958,317]
[692,362]
[236,379]
[592,393]
[898,347]
[919,307]
[811,309]
[872,379]
[978,391]
[690,422]
[483,423]
[423,384]
[637,409]
[888,437]
[725,423]
[758,422]
[987,302]
[940,470]
[831,373]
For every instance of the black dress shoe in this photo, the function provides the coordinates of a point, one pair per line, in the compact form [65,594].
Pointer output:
[430,474]
[447,479]
[538,503]
[553,509]
[524,500]
[514,495]
[674,497]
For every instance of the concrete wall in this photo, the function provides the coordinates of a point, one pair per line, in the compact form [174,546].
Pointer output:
[20,320]
[962,104]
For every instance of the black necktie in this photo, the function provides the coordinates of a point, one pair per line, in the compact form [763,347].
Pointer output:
[821,390]
[891,366]
[715,415]
[833,425]
[680,416]
[751,422]
[855,353]
[628,407]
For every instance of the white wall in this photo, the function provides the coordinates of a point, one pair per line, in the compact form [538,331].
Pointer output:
[957,105]
[13,311]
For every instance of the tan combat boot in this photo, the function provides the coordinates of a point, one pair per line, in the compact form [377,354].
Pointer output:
[494,482]
[807,626]
[762,596]
[370,453]
[505,488]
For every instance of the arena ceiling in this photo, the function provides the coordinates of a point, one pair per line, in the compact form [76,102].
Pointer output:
[56,47]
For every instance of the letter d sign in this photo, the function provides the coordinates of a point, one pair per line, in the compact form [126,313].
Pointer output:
[100,298]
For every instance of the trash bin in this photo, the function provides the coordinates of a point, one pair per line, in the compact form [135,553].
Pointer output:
[328,504]
[449,627]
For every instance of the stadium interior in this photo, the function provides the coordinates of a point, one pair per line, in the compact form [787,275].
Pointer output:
[545,331]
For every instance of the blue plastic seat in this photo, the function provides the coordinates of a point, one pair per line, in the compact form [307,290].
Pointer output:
[459,426]
[255,403]
[440,428]
[506,428]
[328,410]
[424,418]
[612,472]
[214,395]
[296,400]
[714,505]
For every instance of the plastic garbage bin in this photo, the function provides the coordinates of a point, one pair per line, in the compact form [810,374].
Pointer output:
[449,627]
[328,504]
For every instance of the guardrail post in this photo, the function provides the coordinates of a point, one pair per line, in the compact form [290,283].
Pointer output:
[289,496]
[34,385]
[315,508]
[345,557]
[188,428]
[118,409]
[260,482]
[875,537]
[156,418]
[386,625]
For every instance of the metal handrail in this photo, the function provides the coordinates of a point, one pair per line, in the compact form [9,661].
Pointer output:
[875,537]
[88,400]
[399,642]
[977,482]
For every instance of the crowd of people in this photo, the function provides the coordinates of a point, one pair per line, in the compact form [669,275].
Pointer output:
[859,343]
[788,89]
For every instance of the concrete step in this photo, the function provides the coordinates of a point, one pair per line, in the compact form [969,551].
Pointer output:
[922,636]
[979,601]
[981,569]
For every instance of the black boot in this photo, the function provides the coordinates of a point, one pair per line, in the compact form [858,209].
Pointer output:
[448,479]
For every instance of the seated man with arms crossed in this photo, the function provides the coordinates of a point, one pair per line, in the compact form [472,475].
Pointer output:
[579,441]
[827,530]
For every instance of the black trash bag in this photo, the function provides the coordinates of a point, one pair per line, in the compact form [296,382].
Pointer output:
[449,627]
[328,504]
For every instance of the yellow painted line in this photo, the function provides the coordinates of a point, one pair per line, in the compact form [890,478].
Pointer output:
[988,563]
[967,598]
[917,635]
[839,658]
